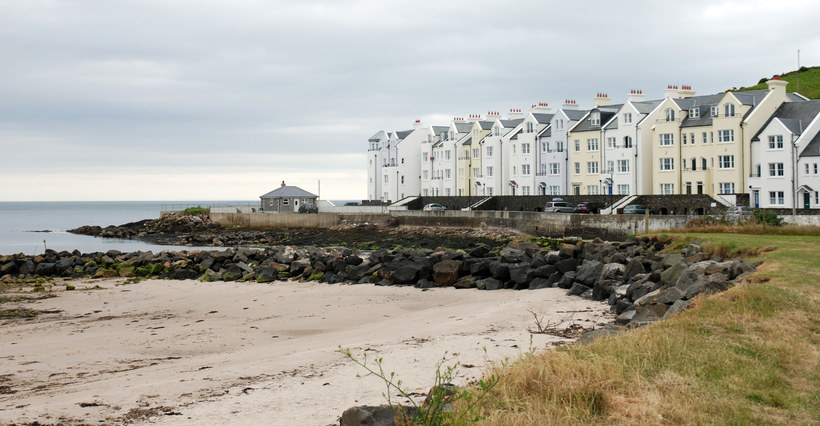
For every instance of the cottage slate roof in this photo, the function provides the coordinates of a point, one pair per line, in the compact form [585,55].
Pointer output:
[645,107]
[486,125]
[543,118]
[379,136]
[468,141]
[511,123]
[464,127]
[438,130]
[794,115]
[607,112]
[575,114]
[813,148]
[401,134]
[288,192]
[613,124]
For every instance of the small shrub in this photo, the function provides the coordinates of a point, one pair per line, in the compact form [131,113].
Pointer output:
[196,210]
[767,217]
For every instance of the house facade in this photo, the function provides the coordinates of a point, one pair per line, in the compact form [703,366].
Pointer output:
[286,199]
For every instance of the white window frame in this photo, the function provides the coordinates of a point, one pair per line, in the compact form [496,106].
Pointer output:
[667,164]
[726,162]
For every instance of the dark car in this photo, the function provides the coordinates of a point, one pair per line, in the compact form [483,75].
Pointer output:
[590,207]
[637,209]
[558,205]
[308,208]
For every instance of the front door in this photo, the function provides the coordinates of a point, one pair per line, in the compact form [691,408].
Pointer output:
[806,200]
[756,195]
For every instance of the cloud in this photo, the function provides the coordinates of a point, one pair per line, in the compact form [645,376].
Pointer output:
[159,89]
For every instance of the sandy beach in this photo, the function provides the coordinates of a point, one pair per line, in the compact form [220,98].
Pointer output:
[186,352]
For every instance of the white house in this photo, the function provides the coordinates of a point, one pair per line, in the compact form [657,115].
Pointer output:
[374,164]
[790,138]
[552,155]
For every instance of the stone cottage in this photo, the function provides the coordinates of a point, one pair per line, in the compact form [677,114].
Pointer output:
[286,199]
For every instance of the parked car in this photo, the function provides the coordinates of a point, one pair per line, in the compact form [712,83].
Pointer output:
[637,209]
[740,211]
[558,205]
[589,207]
[308,208]
[434,207]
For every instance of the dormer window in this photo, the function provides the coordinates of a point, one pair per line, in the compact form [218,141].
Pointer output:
[595,118]
[670,114]
[715,111]
[729,110]
[694,113]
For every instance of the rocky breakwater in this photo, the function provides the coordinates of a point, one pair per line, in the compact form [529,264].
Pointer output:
[639,282]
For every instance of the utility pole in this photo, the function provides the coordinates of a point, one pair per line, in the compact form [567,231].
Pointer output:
[798,71]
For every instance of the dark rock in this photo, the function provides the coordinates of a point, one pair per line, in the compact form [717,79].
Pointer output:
[184,274]
[266,275]
[468,281]
[446,272]
[676,307]
[577,289]
[608,330]
[521,273]
[625,317]
[566,280]
[46,269]
[588,272]
[500,271]
[568,250]
[567,265]
[511,255]
[479,267]
[544,271]
[489,284]
[365,415]
[480,251]
[649,313]
[538,283]
[633,268]
[408,273]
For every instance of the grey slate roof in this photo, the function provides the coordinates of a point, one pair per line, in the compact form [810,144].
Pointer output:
[439,130]
[288,192]
[511,123]
[468,141]
[813,148]
[464,127]
[793,115]
[401,134]
[543,118]
[575,114]
[612,125]
[380,135]
[645,107]
[607,112]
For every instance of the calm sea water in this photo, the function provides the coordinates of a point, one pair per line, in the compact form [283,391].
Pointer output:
[22,223]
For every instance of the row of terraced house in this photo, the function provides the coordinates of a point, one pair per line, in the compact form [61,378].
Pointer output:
[765,143]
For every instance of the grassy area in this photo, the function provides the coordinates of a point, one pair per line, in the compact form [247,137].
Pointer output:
[809,82]
[750,355]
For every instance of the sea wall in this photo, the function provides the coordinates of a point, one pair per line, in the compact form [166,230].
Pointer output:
[614,227]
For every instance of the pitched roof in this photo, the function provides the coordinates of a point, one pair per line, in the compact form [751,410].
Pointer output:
[511,123]
[607,112]
[288,192]
[464,127]
[813,148]
[401,134]
[645,107]
[439,130]
[796,116]
[380,135]
[543,118]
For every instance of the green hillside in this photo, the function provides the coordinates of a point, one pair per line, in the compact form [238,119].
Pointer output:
[809,82]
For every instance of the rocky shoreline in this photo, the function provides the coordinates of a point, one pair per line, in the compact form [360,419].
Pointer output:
[197,230]
[639,282]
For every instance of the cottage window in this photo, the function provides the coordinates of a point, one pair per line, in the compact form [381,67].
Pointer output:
[714,111]
[670,114]
[529,127]
[592,167]
[592,144]
[667,163]
[667,139]
[726,136]
[627,117]
[726,161]
[667,188]
[726,187]
[776,169]
[729,110]
[627,141]
[694,112]
[777,197]
[595,118]
[776,142]
[555,168]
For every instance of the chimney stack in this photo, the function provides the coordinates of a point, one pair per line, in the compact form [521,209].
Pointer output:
[777,84]
[283,184]
[570,104]
[417,124]
[686,91]
[601,99]
[515,113]
[671,92]
[635,95]
[541,108]
[493,115]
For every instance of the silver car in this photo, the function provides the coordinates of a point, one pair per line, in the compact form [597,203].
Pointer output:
[558,206]
[434,207]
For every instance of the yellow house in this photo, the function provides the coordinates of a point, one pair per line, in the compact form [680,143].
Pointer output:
[709,151]
[469,156]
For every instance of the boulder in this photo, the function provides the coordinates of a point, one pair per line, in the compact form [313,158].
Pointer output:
[365,415]
[468,281]
[407,273]
[566,280]
[499,270]
[672,274]
[266,275]
[588,272]
[489,284]
[511,255]
[538,283]
[577,289]
[676,307]
[446,272]
[633,268]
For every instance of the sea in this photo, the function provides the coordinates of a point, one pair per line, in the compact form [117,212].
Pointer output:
[32,227]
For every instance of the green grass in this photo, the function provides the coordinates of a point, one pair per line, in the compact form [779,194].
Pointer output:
[809,82]
[750,355]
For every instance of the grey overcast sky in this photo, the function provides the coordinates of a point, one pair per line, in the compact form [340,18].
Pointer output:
[222,100]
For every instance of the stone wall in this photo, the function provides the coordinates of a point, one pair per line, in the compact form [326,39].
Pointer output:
[679,204]
[295,220]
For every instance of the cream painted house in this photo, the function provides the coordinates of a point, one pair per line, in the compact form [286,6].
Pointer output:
[470,154]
